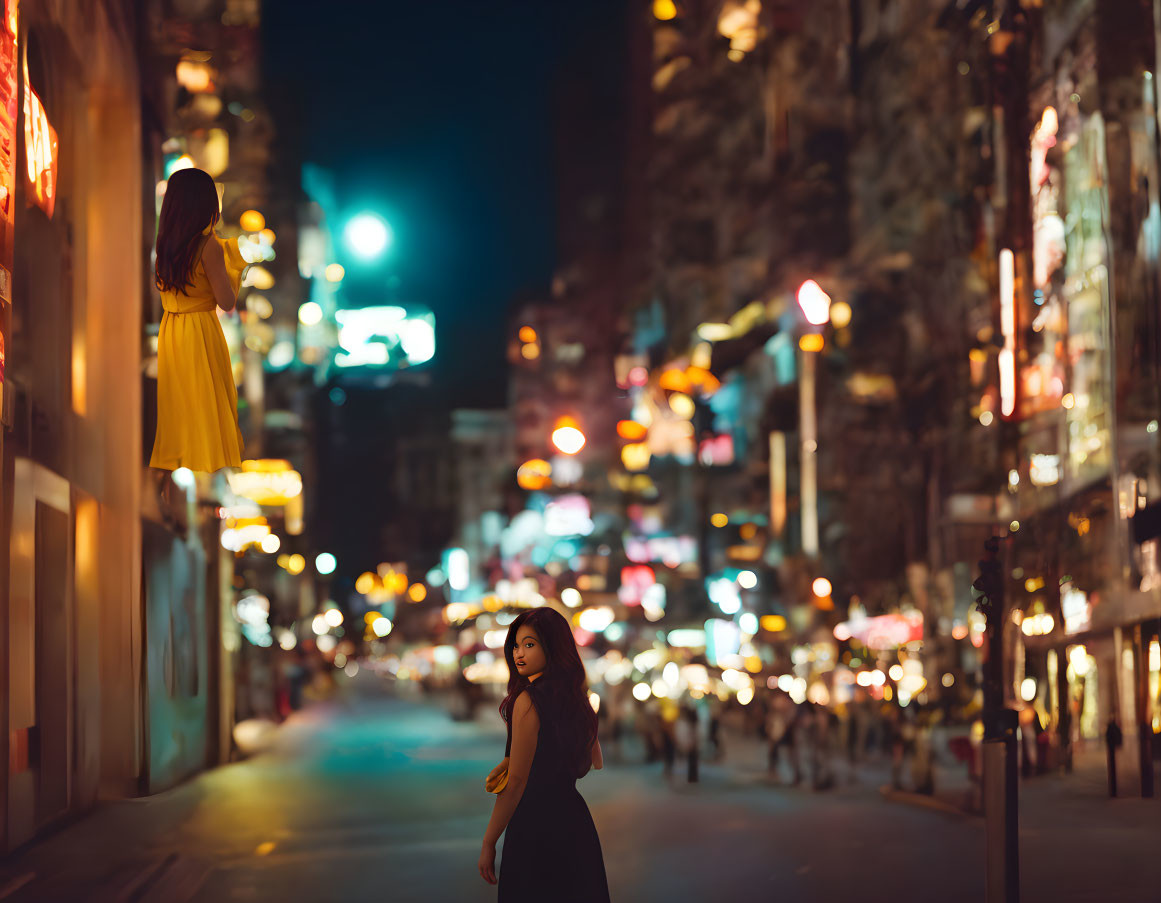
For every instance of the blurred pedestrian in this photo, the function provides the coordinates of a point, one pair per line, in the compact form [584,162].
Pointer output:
[1043,744]
[897,731]
[797,738]
[298,676]
[776,728]
[686,739]
[821,774]
[650,731]
[197,273]
[618,713]
[715,728]
[665,740]
[845,737]
[469,698]
[1064,736]
[1028,725]
[1113,740]
[552,742]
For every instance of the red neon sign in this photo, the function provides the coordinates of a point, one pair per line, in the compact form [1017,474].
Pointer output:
[41,149]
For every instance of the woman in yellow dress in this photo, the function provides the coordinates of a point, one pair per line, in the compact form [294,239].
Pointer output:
[197,272]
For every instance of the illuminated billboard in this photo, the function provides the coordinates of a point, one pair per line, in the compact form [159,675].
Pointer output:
[384,337]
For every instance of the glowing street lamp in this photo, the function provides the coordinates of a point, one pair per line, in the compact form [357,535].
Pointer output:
[367,235]
[567,436]
[815,303]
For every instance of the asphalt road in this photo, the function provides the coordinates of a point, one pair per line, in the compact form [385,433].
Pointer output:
[382,799]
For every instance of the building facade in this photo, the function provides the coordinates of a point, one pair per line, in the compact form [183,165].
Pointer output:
[884,286]
[70,494]
[119,596]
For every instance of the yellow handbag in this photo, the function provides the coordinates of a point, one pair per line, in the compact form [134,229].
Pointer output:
[497,784]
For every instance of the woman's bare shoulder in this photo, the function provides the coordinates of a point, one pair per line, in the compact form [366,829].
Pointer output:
[212,251]
[524,703]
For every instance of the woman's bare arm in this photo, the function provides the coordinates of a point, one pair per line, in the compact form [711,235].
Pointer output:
[214,260]
[598,756]
[525,728]
[503,766]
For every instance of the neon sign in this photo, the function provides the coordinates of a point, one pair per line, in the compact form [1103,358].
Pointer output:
[883,632]
[41,149]
[635,582]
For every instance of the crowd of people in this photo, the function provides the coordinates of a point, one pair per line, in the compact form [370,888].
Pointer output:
[805,743]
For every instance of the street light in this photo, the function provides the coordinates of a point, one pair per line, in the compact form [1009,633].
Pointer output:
[367,235]
[567,436]
[815,303]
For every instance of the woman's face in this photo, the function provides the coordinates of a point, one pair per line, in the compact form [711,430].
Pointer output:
[528,653]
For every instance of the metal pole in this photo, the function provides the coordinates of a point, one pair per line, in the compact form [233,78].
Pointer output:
[1001,792]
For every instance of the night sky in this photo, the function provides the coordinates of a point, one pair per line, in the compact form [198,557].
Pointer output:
[441,116]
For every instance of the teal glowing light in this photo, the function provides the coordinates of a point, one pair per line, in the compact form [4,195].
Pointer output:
[367,235]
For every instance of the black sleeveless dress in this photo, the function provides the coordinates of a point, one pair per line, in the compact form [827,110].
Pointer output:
[551,849]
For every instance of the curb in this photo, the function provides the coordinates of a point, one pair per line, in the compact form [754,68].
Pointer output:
[924,801]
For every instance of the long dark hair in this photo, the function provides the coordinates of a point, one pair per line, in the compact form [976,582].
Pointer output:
[191,204]
[561,687]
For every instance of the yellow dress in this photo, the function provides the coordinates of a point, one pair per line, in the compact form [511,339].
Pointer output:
[197,403]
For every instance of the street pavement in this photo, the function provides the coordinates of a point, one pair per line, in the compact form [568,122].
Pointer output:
[379,797]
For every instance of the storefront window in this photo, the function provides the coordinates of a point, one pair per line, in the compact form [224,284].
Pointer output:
[1083,694]
[1087,404]
[1043,373]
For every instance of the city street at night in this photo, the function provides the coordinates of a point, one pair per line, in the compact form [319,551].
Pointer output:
[615,451]
[375,797]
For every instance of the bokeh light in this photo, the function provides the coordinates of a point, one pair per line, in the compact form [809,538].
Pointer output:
[367,235]
[310,313]
[252,221]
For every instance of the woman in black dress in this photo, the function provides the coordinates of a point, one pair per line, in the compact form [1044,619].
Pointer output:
[551,848]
